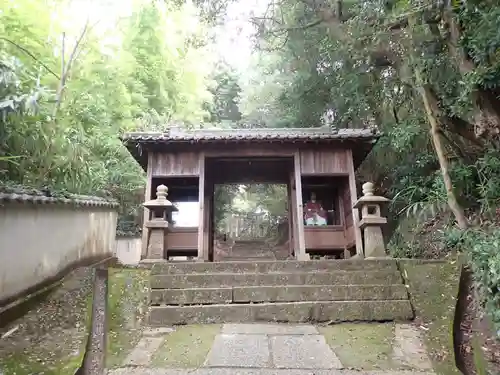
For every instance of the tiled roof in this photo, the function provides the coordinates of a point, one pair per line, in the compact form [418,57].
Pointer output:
[174,135]
[32,196]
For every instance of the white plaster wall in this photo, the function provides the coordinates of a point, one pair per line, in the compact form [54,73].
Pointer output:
[128,250]
[38,241]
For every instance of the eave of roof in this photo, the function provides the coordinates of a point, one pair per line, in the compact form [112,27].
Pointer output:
[138,142]
[177,135]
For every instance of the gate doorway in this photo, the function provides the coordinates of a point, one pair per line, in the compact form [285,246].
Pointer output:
[239,216]
[251,221]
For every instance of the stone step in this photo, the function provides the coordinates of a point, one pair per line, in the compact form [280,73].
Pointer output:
[274,266]
[293,312]
[214,280]
[237,258]
[250,251]
[290,293]
[250,256]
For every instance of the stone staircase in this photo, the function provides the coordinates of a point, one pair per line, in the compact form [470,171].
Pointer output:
[277,291]
[250,250]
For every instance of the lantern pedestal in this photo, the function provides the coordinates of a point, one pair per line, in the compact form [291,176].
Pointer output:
[371,223]
[161,208]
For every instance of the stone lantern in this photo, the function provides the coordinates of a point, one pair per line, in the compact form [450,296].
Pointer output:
[371,222]
[161,208]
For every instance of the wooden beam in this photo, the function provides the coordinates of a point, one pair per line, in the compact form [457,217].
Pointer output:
[249,180]
[201,201]
[252,151]
[355,211]
[146,212]
[301,251]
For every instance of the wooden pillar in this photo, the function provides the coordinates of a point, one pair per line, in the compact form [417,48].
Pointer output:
[293,214]
[354,198]
[301,251]
[207,217]
[146,211]
[210,232]
[342,218]
[290,217]
[201,200]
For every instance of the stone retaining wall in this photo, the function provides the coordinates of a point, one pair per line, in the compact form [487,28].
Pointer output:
[43,237]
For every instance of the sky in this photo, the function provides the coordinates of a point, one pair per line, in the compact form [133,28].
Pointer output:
[233,38]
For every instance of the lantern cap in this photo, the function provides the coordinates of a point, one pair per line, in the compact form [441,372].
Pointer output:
[161,200]
[369,197]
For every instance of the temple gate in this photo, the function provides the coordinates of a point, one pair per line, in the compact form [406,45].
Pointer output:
[316,164]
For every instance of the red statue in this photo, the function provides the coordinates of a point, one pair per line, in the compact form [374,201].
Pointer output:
[314,213]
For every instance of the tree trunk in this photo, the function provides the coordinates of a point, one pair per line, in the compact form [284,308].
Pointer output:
[455,207]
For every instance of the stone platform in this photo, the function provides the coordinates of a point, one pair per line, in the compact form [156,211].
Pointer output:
[283,291]
[278,349]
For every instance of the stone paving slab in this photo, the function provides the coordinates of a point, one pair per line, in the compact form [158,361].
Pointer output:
[303,352]
[240,371]
[269,329]
[239,351]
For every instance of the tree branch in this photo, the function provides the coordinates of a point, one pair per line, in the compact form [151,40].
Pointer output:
[31,55]
[66,69]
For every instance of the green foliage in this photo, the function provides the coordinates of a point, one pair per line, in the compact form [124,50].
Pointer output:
[354,64]
[225,90]
[270,200]
[136,74]
[482,246]
[487,168]
[166,77]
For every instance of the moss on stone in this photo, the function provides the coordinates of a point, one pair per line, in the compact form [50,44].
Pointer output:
[433,290]
[186,347]
[127,308]
[363,346]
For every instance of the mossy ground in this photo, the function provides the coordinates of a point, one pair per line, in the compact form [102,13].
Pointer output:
[362,346]
[433,289]
[186,347]
[127,306]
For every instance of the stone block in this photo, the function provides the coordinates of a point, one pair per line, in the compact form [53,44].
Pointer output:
[178,281]
[297,293]
[274,266]
[269,329]
[293,312]
[239,351]
[192,296]
[303,352]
